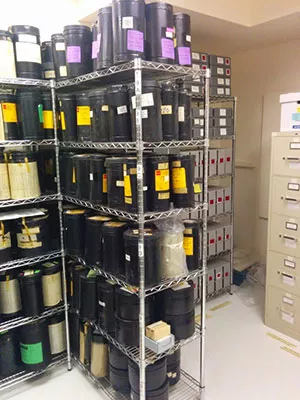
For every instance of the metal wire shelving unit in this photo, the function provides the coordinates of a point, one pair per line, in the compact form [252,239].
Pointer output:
[34,200]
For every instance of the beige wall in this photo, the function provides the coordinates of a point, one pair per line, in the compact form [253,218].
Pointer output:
[257,73]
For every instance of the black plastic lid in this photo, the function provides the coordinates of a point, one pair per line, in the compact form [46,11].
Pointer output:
[112,226]
[98,338]
[149,234]
[192,222]
[98,219]
[98,93]
[35,219]
[105,10]
[160,5]
[51,267]
[101,157]
[20,156]
[81,157]
[106,286]
[27,93]
[10,274]
[57,37]
[76,211]
[82,96]
[48,43]
[182,16]
[115,160]
[125,293]
[116,89]
[29,275]
[169,85]
[56,319]
[66,96]
[25,29]
[79,28]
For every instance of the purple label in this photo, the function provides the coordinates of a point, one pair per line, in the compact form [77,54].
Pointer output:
[95,48]
[167,48]
[170,30]
[184,55]
[135,40]
[73,54]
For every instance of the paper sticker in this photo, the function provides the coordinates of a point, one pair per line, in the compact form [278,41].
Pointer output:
[188,38]
[181,114]
[178,180]
[222,112]
[288,279]
[104,108]
[293,186]
[167,48]
[223,131]
[220,81]
[127,257]
[62,120]
[127,186]
[290,243]
[9,112]
[104,183]
[287,317]
[5,241]
[162,180]
[220,91]
[227,81]
[73,54]
[144,114]
[95,49]
[127,22]
[169,35]
[122,110]
[28,52]
[48,119]
[220,60]
[289,264]
[287,300]
[27,38]
[91,113]
[63,70]
[83,115]
[197,121]
[196,67]
[291,226]
[135,40]
[163,196]
[60,46]
[188,245]
[147,100]
[195,89]
[294,145]
[196,56]
[184,56]
[220,71]
[166,110]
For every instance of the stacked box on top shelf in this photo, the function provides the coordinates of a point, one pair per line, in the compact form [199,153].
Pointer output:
[199,63]
[220,84]
[221,122]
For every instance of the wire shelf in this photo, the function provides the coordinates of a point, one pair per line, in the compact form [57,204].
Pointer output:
[224,137]
[224,176]
[14,143]
[163,285]
[23,262]
[186,389]
[218,216]
[9,83]
[215,294]
[17,322]
[215,99]
[222,254]
[184,145]
[134,352]
[34,200]
[25,375]
[148,216]
[125,73]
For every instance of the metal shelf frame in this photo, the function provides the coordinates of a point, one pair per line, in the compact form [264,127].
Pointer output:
[14,143]
[34,200]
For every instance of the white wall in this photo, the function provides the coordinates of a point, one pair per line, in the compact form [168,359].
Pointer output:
[257,73]
[49,17]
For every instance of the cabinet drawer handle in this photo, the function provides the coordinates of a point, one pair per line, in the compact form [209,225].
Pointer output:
[289,237]
[295,159]
[292,199]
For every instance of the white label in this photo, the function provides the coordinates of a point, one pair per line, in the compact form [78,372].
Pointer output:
[289,264]
[91,177]
[201,112]
[91,114]
[227,82]
[290,243]
[188,38]
[222,112]
[57,337]
[60,46]
[222,121]
[27,38]
[101,303]
[196,56]
[127,257]
[287,317]
[287,300]
[144,114]
[147,100]
[293,186]
[293,227]
[294,146]
[169,35]
[220,81]
[122,110]
[49,74]
[197,121]
[223,131]
[196,67]
[220,60]
[201,122]
[288,280]
[140,250]
[63,70]
[195,89]
[127,22]
[28,52]
[181,114]
[220,71]
[220,91]
[201,132]
[227,91]
[120,183]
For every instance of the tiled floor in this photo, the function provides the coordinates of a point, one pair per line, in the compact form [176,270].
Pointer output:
[242,362]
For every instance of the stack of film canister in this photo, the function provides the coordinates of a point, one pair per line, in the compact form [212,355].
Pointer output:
[118,370]
[47,60]
[191,243]
[106,305]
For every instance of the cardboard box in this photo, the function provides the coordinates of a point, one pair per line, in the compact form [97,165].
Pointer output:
[217,90]
[221,131]
[290,112]
[219,60]
[210,280]
[219,277]
[211,241]
[227,200]
[212,162]
[228,82]
[217,71]
[227,237]
[220,239]
[160,346]
[211,198]
[221,161]
[158,330]
[222,122]
[215,81]
[219,200]
[199,57]
[226,273]
[198,133]
[222,112]
[228,161]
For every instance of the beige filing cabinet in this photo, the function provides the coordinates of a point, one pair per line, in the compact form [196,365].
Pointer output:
[282,306]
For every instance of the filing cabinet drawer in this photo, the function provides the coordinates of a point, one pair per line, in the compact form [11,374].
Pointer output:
[286,196]
[283,311]
[284,235]
[286,156]
[284,272]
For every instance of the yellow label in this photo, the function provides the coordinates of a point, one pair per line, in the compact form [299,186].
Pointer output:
[73,175]
[162,180]
[71,289]
[62,120]
[188,245]
[99,218]
[175,42]
[48,119]
[127,187]
[115,224]
[132,171]
[104,183]
[5,242]
[298,109]
[178,178]
[166,110]
[163,166]
[9,111]
[197,188]
[104,108]
[188,231]
[32,231]
[176,163]
[83,115]
[163,196]
[128,200]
